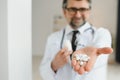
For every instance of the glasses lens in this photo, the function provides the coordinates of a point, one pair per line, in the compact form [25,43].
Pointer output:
[83,9]
[74,10]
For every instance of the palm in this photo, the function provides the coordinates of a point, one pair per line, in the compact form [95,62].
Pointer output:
[93,53]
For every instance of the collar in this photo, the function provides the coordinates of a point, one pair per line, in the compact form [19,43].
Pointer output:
[81,29]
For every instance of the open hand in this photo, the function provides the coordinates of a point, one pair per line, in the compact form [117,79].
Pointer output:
[93,53]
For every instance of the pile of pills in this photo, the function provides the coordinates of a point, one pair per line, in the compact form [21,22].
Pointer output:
[81,58]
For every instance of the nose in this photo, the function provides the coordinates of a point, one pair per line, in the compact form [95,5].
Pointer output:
[78,14]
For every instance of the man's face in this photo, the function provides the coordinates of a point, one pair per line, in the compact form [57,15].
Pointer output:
[77,12]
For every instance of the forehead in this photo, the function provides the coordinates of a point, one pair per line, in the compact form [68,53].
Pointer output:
[78,3]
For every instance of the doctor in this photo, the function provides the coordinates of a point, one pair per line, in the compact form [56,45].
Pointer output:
[57,63]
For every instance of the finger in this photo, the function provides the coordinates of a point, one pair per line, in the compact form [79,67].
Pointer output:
[77,67]
[67,53]
[66,56]
[73,62]
[62,51]
[81,70]
[90,63]
[66,59]
[105,50]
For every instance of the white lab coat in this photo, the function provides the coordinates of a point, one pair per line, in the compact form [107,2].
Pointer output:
[88,36]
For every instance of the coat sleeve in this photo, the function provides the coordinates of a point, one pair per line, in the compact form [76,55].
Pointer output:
[102,38]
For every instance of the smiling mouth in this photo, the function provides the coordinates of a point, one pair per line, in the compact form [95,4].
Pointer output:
[75,24]
[77,21]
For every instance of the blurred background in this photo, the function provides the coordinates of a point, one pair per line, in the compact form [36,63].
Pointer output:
[48,17]
[26,24]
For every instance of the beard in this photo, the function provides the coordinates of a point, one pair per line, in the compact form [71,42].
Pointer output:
[77,22]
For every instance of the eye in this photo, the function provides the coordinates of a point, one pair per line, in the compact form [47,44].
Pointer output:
[72,9]
[83,9]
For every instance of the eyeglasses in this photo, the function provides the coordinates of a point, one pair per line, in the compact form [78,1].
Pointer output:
[74,10]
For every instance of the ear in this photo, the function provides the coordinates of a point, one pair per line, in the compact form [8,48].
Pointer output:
[64,12]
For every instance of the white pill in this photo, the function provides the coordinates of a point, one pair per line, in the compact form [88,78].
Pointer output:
[81,63]
[85,56]
[77,58]
[85,59]
[81,56]
[67,44]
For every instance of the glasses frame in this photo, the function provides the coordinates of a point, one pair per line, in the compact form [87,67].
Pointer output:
[73,10]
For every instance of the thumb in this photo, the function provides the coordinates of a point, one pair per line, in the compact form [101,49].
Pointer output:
[105,50]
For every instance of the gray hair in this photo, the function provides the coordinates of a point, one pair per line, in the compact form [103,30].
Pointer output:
[64,5]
